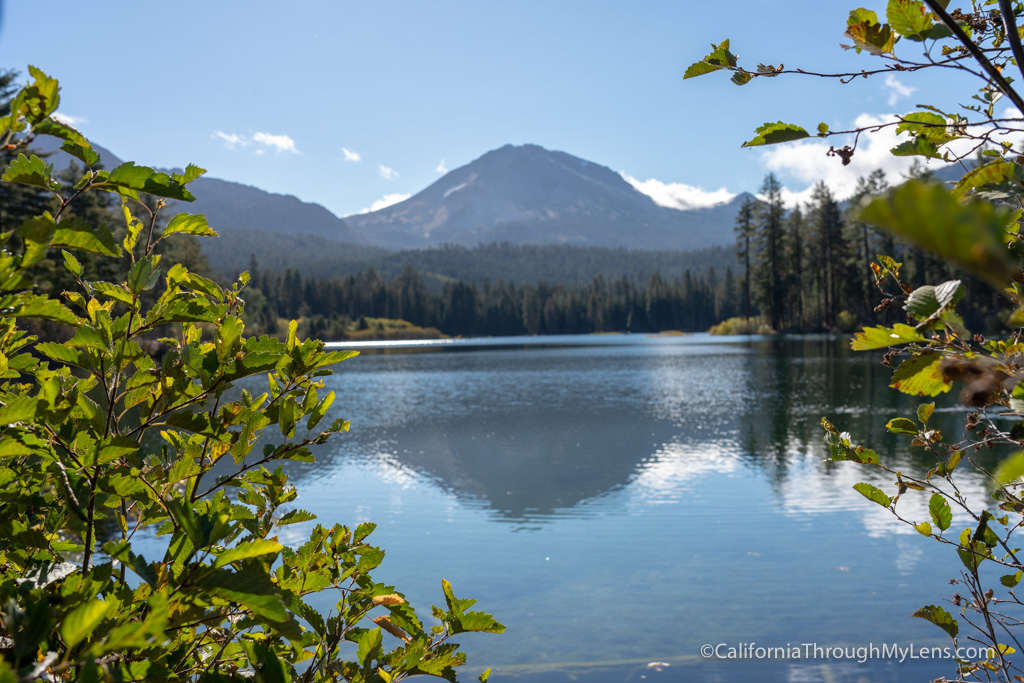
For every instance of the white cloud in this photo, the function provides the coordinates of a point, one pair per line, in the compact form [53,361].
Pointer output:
[232,140]
[897,90]
[679,195]
[386,172]
[1015,138]
[282,143]
[350,155]
[806,161]
[386,201]
[70,120]
[441,168]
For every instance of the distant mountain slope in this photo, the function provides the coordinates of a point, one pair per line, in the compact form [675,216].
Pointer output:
[228,204]
[529,195]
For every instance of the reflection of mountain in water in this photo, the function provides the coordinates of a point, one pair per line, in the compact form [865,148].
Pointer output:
[535,464]
[536,432]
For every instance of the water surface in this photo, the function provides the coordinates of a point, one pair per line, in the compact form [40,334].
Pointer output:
[622,500]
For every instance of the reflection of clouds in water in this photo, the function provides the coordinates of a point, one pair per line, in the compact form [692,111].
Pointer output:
[908,556]
[816,488]
[664,476]
[393,472]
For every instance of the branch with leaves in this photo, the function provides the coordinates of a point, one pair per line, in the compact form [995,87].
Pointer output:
[113,432]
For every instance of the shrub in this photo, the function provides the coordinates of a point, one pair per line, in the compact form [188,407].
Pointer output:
[113,436]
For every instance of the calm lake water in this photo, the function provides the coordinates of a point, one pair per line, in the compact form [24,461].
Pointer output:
[621,500]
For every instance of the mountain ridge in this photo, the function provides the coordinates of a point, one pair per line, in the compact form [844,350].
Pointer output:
[530,195]
[230,204]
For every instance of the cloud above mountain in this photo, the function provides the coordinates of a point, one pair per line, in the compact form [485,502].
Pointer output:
[386,201]
[679,195]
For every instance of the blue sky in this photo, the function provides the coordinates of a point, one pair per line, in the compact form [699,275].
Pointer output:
[354,104]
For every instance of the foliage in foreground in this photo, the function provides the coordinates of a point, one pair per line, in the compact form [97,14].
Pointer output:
[131,430]
[975,225]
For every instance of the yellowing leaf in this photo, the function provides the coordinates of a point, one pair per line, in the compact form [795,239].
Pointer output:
[920,375]
[873,493]
[884,337]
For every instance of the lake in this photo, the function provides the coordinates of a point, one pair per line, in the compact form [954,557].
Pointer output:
[618,501]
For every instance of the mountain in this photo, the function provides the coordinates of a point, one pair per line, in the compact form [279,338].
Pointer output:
[529,195]
[227,204]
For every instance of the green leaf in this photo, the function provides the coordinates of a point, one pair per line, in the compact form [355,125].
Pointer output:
[250,589]
[909,18]
[476,622]
[133,224]
[362,531]
[318,412]
[129,179]
[62,354]
[82,620]
[76,234]
[924,528]
[924,412]
[189,224]
[84,153]
[245,551]
[191,173]
[920,375]
[918,147]
[39,99]
[873,494]
[719,58]
[1011,580]
[971,234]
[926,125]
[946,468]
[195,422]
[72,264]
[997,173]
[901,425]
[1011,469]
[774,133]
[29,171]
[34,306]
[368,645]
[64,131]
[938,508]
[884,337]
[822,129]
[115,292]
[741,78]
[699,69]
[927,300]
[37,233]
[940,617]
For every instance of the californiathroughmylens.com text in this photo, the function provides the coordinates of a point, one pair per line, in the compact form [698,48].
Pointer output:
[861,654]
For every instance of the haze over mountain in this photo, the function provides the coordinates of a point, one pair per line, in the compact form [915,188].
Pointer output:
[529,195]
